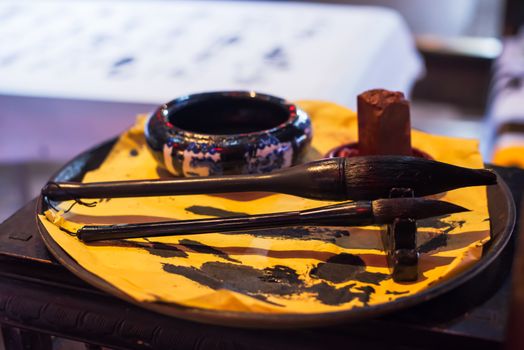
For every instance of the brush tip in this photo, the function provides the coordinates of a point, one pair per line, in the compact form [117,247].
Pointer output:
[487,177]
[386,210]
[373,177]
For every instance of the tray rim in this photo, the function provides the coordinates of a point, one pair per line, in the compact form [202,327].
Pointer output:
[275,320]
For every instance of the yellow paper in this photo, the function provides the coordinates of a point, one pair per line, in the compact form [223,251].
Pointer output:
[296,270]
[509,156]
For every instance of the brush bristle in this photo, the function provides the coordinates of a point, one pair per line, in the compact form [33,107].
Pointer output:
[386,210]
[486,177]
[373,177]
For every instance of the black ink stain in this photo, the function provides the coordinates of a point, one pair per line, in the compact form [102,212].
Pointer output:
[165,251]
[71,233]
[275,53]
[339,268]
[338,233]
[238,278]
[154,248]
[330,295]
[439,241]
[367,291]
[193,274]
[281,274]
[444,226]
[371,277]
[230,40]
[277,57]
[454,224]
[212,211]
[303,233]
[205,249]
[278,280]
[392,292]
[123,61]
[346,267]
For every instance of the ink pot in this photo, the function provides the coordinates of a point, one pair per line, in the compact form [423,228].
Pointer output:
[225,133]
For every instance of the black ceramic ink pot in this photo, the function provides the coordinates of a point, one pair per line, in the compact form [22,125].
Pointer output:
[223,133]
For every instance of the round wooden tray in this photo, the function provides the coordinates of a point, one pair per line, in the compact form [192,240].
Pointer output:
[501,210]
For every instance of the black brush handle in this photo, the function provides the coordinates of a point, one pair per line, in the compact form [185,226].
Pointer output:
[332,179]
[323,180]
[344,214]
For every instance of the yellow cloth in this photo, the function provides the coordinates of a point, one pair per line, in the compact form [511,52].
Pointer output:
[509,149]
[509,156]
[329,269]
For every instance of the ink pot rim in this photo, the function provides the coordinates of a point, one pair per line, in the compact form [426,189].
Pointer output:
[227,132]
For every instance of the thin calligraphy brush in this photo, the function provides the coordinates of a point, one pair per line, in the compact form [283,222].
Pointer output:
[360,213]
[332,179]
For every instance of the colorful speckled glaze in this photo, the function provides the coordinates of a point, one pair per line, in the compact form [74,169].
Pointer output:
[221,133]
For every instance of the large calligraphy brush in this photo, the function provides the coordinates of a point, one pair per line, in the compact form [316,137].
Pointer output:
[332,179]
[360,213]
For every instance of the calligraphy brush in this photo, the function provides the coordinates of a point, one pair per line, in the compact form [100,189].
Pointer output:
[332,179]
[360,213]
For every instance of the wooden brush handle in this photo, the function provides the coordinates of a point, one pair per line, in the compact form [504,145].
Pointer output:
[332,179]
[344,214]
[321,180]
